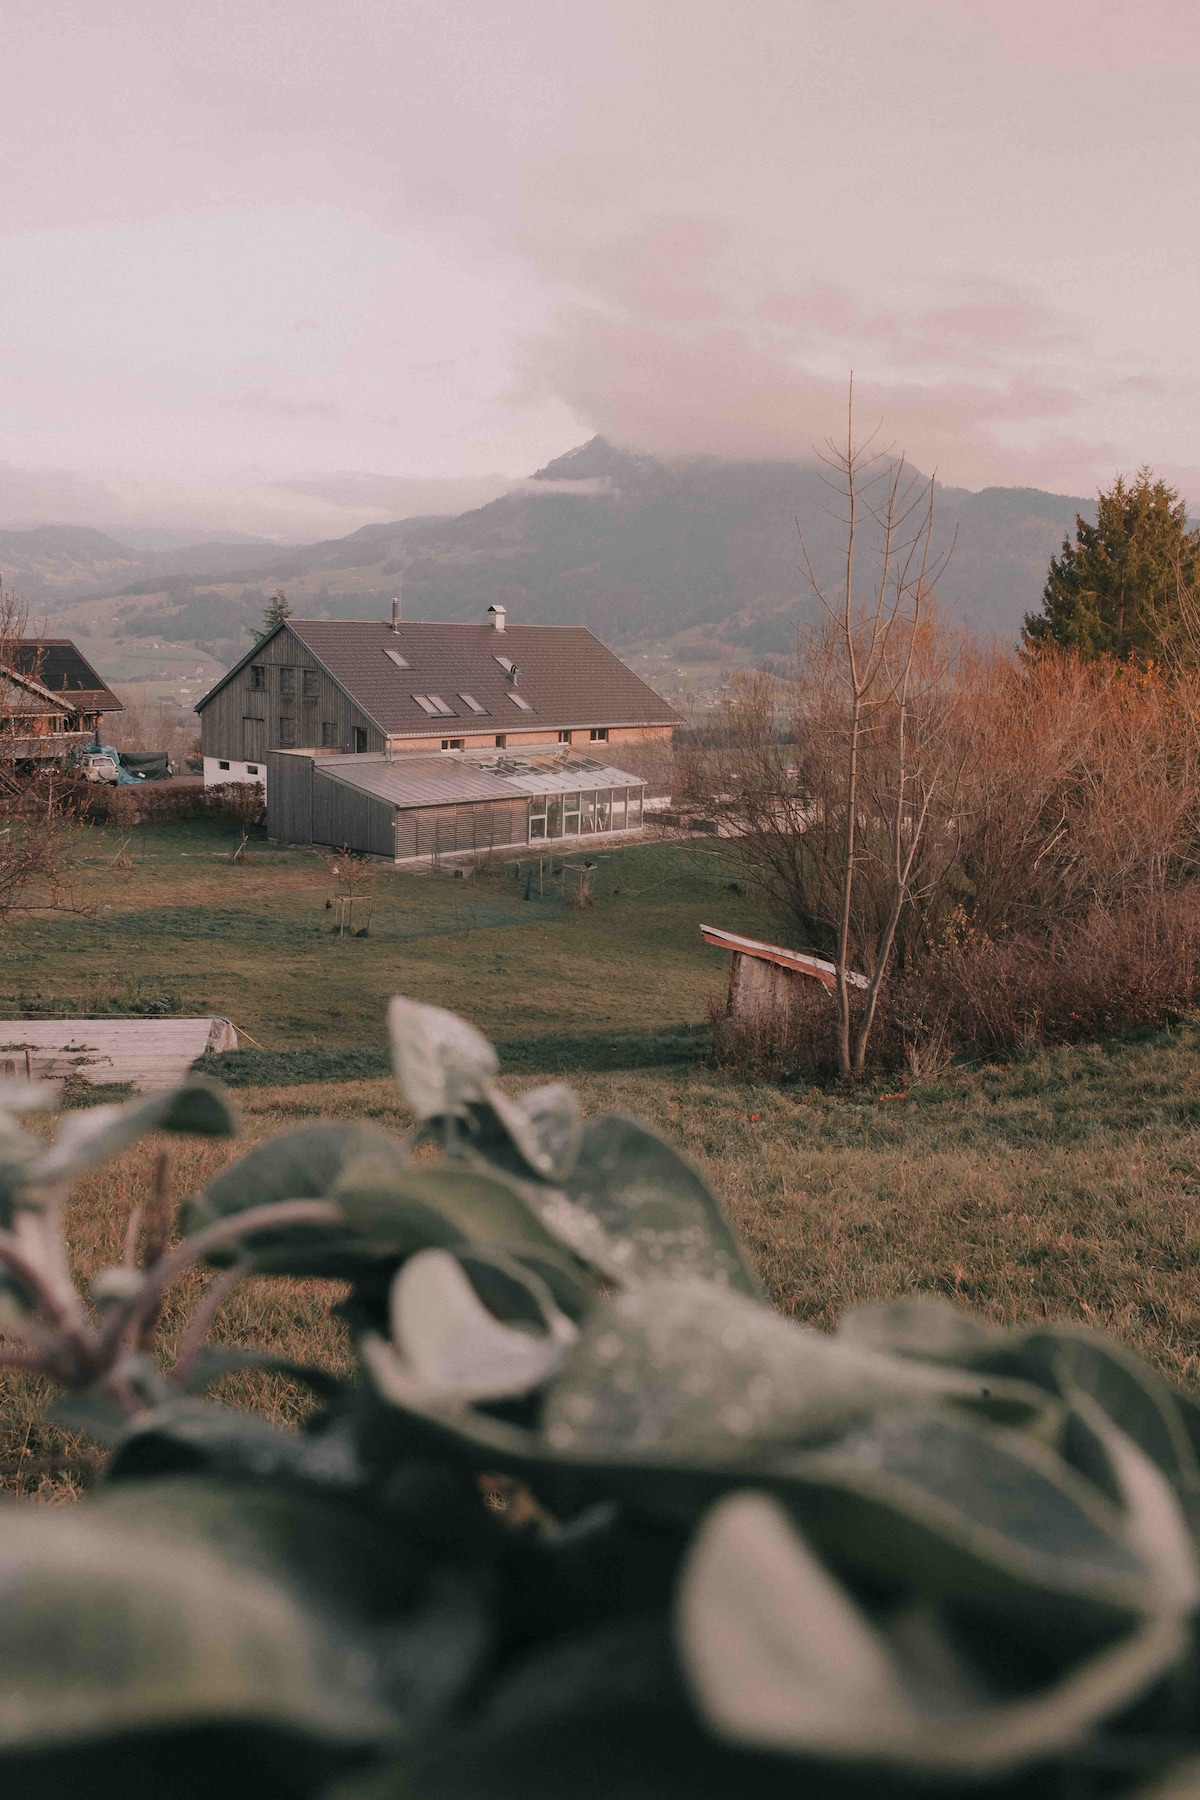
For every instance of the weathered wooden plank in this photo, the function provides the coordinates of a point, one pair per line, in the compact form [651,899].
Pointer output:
[150,1053]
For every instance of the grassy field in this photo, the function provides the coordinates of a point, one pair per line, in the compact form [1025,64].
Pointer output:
[1065,1186]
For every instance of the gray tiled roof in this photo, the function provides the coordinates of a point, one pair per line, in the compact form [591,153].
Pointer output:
[443,780]
[567,676]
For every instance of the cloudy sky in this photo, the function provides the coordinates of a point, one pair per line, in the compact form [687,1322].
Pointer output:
[285,264]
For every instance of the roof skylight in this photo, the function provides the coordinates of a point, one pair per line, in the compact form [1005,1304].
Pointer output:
[435,706]
[395,656]
[521,701]
[470,701]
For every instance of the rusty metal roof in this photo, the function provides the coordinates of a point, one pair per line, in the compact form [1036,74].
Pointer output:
[799,960]
[445,780]
[566,678]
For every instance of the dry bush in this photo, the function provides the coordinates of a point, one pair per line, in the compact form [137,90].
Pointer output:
[1112,972]
[1083,790]
[778,1046]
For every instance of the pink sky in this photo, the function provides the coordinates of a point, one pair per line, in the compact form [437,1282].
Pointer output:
[250,248]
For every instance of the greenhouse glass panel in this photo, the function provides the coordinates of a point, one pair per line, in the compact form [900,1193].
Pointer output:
[587,811]
[635,809]
[603,808]
[554,816]
[570,815]
[618,809]
[537,816]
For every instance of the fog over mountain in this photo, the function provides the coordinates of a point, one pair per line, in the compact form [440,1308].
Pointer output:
[701,555]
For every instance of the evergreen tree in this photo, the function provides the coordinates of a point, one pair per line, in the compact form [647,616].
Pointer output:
[1115,590]
[279,608]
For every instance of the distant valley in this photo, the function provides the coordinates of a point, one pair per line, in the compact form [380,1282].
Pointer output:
[687,568]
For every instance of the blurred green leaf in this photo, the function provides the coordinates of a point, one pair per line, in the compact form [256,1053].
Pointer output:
[441,1062]
[538,1134]
[198,1107]
[658,1217]
[924,1327]
[781,1658]
[419,1206]
[164,1605]
[448,1348]
[690,1369]
[298,1165]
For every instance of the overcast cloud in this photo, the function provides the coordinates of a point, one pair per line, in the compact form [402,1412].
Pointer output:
[254,250]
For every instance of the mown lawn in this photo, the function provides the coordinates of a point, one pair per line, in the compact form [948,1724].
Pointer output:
[1065,1186]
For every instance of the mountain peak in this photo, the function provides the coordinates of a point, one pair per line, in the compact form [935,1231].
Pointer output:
[597,459]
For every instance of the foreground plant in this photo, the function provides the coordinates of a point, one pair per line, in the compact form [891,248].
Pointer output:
[920,1556]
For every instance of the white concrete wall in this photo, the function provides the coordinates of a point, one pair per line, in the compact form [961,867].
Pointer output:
[216,771]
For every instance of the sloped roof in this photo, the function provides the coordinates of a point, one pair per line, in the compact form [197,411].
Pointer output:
[23,698]
[59,665]
[566,676]
[443,780]
[799,960]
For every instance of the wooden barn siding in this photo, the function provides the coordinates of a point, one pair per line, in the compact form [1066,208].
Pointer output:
[476,825]
[289,799]
[345,815]
[223,732]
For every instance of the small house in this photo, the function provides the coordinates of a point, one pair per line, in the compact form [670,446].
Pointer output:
[51,701]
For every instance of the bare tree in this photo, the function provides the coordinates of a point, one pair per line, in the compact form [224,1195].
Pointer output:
[840,783]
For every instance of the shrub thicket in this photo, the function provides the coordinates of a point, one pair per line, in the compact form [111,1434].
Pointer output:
[1054,897]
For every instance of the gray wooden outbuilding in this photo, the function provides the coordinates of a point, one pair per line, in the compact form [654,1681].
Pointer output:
[419,809]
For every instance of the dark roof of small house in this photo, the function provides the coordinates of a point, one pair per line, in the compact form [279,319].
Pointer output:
[566,676]
[60,666]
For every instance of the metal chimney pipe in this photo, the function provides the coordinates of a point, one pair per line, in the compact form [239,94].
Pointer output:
[396,612]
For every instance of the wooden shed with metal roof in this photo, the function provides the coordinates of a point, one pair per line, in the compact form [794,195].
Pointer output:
[424,809]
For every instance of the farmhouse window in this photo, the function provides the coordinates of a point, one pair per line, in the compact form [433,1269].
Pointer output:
[252,768]
[309,684]
[360,739]
[287,733]
[329,735]
[222,765]
[258,676]
[501,740]
[599,734]
[564,737]
[287,680]
[452,743]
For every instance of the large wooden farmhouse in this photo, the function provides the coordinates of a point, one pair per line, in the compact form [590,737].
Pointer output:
[51,701]
[423,740]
